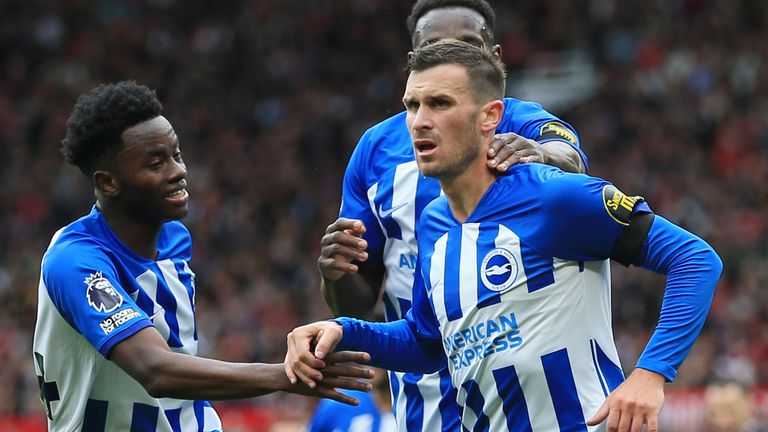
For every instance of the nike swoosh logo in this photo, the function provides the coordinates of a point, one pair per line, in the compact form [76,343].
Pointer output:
[155,315]
[385,213]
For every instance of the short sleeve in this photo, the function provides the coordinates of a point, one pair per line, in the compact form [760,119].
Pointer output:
[354,199]
[83,283]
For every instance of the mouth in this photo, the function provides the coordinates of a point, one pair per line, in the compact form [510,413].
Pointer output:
[424,147]
[178,196]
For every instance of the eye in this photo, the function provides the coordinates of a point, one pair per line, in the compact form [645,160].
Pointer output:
[412,106]
[177,156]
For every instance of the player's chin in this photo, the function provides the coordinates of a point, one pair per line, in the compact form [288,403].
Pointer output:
[177,213]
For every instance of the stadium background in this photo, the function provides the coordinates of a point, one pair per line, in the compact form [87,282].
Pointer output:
[268,97]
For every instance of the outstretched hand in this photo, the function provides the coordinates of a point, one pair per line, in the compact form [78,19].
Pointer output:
[342,244]
[308,351]
[338,373]
[509,149]
[635,403]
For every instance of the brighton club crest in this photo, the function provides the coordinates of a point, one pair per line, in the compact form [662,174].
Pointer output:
[498,270]
[102,296]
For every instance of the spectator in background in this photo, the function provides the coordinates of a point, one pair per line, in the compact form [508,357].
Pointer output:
[728,408]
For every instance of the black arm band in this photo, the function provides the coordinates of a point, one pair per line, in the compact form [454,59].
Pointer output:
[631,242]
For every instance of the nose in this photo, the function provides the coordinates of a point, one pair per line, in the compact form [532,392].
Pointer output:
[178,171]
[422,119]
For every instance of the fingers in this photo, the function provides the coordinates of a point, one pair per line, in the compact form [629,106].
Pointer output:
[348,356]
[509,149]
[299,358]
[331,393]
[349,370]
[600,415]
[341,245]
[352,226]
[327,341]
[346,383]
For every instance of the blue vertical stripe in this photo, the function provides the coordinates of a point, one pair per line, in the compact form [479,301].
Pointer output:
[383,202]
[414,402]
[612,372]
[539,269]
[174,419]
[199,407]
[405,306]
[449,414]
[394,384]
[427,189]
[476,402]
[95,417]
[144,417]
[165,297]
[513,399]
[389,309]
[452,275]
[562,388]
[597,368]
[486,242]
[185,277]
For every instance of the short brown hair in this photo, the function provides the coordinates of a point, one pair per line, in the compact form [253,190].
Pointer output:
[487,78]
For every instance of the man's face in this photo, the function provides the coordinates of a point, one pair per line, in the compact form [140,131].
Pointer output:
[457,22]
[150,174]
[442,119]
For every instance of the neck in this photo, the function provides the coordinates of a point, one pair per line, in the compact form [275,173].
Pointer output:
[465,190]
[140,237]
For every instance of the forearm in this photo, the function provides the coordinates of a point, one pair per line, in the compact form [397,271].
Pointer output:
[563,156]
[182,376]
[393,345]
[692,270]
[354,294]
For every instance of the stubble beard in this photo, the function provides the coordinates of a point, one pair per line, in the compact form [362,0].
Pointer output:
[458,162]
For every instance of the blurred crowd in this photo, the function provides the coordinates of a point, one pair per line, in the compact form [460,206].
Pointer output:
[269,98]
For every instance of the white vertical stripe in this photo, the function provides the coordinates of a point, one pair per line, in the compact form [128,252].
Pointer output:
[184,315]
[436,277]
[468,278]
[401,403]
[148,282]
[187,418]
[211,419]
[429,386]
[537,396]
[404,193]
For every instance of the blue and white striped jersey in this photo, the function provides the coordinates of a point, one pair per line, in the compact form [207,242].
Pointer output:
[384,189]
[519,295]
[95,292]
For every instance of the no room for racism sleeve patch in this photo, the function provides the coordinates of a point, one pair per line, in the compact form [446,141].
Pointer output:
[618,205]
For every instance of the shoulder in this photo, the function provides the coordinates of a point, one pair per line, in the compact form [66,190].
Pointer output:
[175,241]
[512,105]
[435,219]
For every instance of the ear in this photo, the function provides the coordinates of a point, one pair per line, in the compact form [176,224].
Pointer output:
[496,50]
[106,183]
[490,115]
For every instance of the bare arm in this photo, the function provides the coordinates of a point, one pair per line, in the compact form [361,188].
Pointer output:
[350,286]
[510,148]
[148,359]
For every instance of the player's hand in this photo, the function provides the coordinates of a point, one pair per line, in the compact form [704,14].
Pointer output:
[509,148]
[635,403]
[339,373]
[307,349]
[341,244]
